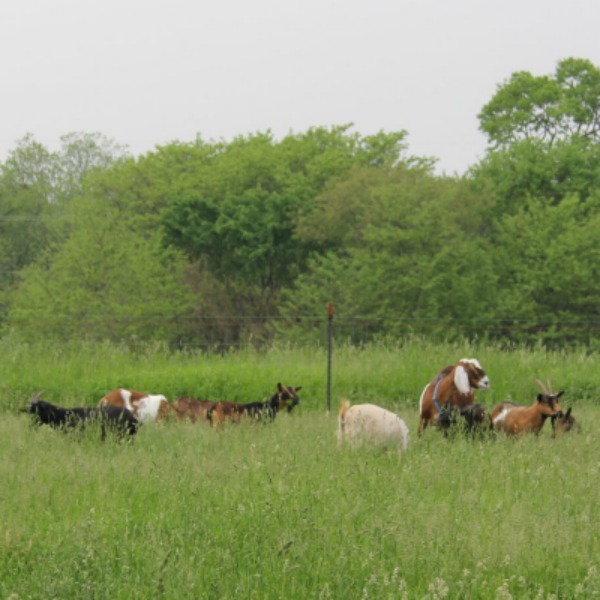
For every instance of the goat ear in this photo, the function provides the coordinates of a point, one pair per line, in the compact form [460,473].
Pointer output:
[559,394]
[461,380]
[298,388]
[540,397]
[279,387]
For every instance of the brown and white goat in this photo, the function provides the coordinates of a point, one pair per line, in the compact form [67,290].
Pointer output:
[371,424]
[514,419]
[145,407]
[453,386]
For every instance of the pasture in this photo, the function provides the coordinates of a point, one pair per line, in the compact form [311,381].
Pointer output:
[278,510]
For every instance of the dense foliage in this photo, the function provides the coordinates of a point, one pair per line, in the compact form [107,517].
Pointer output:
[229,242]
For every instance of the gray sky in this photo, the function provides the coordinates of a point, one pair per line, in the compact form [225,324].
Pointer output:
[147,72]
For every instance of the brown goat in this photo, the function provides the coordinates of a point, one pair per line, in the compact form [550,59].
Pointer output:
[285,397]
[453,386]
[192,409]
[514,419]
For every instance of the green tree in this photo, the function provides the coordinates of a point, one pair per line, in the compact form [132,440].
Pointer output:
[80,155]
[533,169]
[242,214]
[104,282]
[56,177]
[407,249]
[544,134]
[542,174]
[547,258]
[548,108]
[27,218]
[35,186]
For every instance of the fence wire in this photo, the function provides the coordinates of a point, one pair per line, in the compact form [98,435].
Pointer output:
[240,331]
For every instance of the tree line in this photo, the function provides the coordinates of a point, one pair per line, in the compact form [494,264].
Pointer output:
[224,242]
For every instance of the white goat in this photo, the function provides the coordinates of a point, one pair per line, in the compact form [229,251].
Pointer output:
[372,424]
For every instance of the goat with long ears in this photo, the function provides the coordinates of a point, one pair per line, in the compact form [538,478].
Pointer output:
[453,386]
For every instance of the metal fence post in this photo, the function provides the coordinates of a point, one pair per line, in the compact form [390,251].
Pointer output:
[329,352]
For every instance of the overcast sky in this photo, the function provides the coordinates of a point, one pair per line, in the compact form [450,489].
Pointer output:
[147,72]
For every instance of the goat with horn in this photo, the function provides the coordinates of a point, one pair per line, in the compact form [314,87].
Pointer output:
[514,419]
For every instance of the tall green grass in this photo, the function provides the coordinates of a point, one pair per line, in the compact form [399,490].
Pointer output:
[279,510]
[389,374]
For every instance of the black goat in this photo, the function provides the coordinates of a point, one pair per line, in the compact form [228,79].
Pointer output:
[472,419]
[563,423]
[115,418]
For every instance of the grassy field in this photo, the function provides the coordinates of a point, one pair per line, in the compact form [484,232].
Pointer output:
[279,511]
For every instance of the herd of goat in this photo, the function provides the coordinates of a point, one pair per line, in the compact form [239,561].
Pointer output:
[124,411]
[447,403]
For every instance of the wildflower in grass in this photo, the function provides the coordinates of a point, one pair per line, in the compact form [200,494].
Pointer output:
[392,588]
[372,583]
[592,576]
[325,593]
[438,589]
[398,585]
[503,592]
[402,590]
[589,586]
[540,594]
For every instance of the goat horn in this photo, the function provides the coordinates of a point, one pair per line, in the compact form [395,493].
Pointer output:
[35,397]
[549,387]
[543,387]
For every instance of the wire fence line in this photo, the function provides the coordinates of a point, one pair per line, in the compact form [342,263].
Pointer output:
[222,332]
